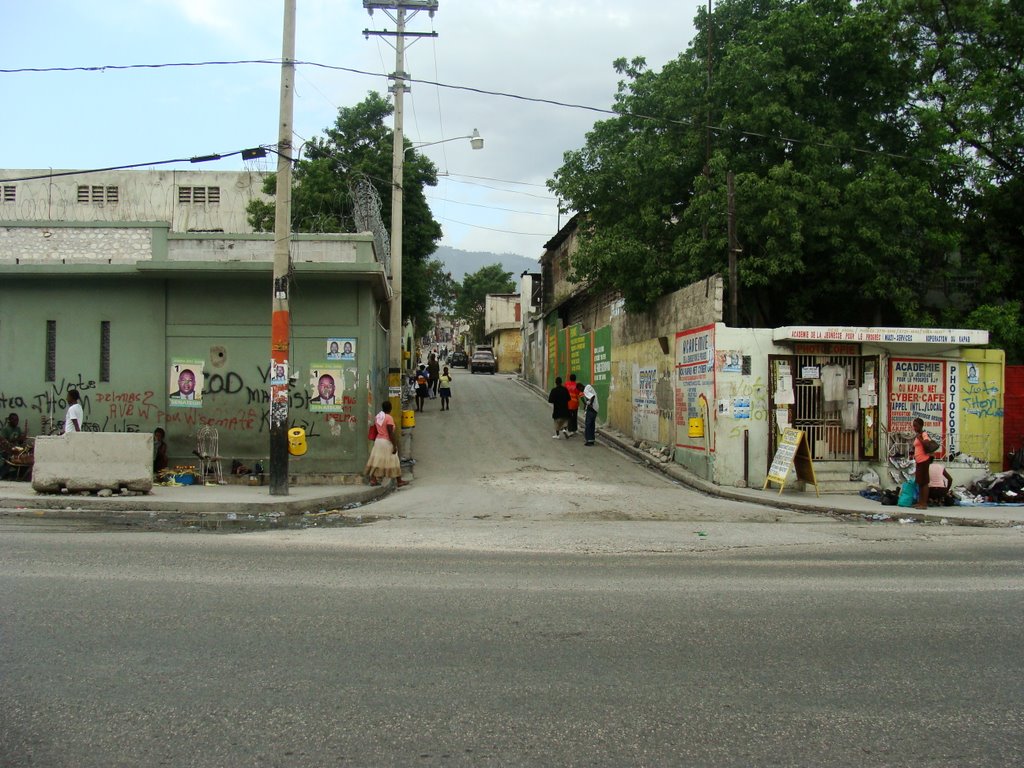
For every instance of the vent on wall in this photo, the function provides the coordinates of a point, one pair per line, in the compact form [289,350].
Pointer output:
[51,350]
[198,195]
[98,194]
[10,193]
[104,350]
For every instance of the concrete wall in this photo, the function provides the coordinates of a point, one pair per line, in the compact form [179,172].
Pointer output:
[508,350]
[87,461]
[141,195]
[70,244]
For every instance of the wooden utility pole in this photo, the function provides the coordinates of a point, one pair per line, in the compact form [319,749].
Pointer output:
[734,252]
[397,176]
[280,326]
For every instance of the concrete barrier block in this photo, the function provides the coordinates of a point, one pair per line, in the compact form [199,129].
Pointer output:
[92,461]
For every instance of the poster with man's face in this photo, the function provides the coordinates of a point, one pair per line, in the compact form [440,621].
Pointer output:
[341,349]
[326,387]
[185,384]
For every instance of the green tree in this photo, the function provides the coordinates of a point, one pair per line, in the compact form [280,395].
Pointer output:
[863,153]
[359,142]
[469,306]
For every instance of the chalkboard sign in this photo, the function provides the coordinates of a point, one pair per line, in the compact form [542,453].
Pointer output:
[792,452]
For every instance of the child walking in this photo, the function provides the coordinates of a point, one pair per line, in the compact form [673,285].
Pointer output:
[445,389]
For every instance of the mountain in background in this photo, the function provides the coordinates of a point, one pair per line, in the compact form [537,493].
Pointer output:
[462,263]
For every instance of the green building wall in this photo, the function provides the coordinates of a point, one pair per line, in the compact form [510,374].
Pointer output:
[215,316]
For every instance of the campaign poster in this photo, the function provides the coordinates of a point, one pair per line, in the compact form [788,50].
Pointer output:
[326,386]
[185,384]
[341,349]
[694,381]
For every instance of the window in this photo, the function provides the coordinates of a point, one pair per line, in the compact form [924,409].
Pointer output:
[198,195]
[97,195]
[104,350]
[9,193]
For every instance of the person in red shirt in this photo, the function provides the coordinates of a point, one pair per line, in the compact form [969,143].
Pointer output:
[575,390]
[922,460]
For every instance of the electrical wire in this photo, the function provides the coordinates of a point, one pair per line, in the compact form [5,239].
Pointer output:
[486,92]
[196,159]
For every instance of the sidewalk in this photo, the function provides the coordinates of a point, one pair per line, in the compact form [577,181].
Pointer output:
[229,502]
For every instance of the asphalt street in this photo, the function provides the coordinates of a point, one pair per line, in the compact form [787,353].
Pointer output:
[525,601]
[270,649]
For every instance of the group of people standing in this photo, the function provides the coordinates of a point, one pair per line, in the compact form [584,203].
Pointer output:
[566,401]
[433,382]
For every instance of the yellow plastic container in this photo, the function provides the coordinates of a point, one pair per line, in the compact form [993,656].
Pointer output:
[408,419]
[696,428]
[297,441]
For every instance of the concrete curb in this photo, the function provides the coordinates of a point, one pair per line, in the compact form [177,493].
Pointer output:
[145,507]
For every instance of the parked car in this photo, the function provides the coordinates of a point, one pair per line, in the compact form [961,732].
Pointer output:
[459,359]
[482,360]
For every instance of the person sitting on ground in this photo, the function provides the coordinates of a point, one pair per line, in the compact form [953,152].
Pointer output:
[11,437]
[159,450]
[940,483]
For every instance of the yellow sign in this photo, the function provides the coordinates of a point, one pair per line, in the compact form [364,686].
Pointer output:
[792,452]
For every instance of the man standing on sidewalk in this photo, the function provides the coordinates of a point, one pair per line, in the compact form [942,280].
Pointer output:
[559,399]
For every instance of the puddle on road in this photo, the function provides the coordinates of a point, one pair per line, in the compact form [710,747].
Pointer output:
[241,524]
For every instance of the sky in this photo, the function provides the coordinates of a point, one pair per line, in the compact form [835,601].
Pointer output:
[494,199]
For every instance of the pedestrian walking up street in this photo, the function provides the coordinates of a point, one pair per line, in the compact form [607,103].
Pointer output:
[384,461]
[559,399]
[445,389]
[575,392]
[434,369]
[590,414]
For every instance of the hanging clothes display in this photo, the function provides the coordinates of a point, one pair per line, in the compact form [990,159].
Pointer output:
[833,386]
[851,409]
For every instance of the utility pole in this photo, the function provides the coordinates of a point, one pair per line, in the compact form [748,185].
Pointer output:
[398,88]
[280,325]
[734,252]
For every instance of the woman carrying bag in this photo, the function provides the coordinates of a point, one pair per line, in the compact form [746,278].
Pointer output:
[924,447]
[384,460]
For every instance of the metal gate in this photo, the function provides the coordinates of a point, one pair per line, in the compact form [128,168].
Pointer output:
[820,386]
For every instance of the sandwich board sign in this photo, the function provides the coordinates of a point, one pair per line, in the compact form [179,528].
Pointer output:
[792,452]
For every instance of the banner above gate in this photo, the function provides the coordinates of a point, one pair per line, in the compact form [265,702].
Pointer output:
[945,336]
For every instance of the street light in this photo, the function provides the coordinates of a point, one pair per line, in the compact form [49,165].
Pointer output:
[398,169]
[476,141]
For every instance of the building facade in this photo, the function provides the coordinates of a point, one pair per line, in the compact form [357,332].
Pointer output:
[126,310]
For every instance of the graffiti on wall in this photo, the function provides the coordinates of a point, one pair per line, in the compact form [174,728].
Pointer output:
[116,410]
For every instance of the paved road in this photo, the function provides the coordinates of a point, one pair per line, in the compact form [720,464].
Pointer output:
[525,601]
[129,649]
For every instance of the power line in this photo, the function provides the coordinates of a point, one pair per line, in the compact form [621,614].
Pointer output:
[489,207]
[196,159]
[492,229]
[486,92]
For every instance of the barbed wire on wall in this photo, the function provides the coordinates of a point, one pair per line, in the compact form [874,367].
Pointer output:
[367,204]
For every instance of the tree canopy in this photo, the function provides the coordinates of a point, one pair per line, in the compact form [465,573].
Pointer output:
[472,296]
[359,142]
[876,148]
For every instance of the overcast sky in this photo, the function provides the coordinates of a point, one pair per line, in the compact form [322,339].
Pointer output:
[494,199]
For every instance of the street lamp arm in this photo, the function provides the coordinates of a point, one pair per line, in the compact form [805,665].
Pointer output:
[475,140]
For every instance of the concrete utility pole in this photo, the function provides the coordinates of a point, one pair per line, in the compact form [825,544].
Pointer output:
[734,252]
[397,174]
[280,326]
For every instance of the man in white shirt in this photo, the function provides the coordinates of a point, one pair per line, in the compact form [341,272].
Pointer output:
[75,416]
